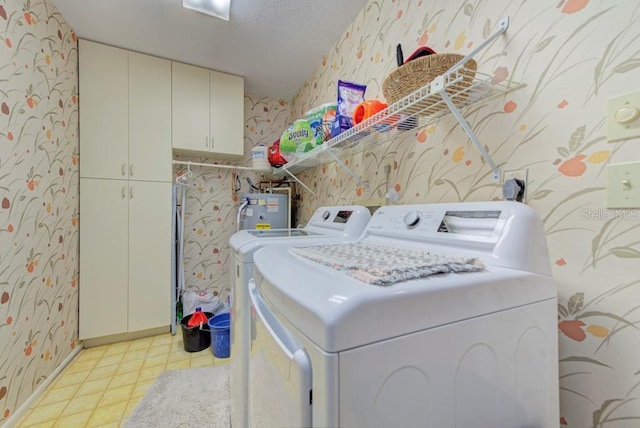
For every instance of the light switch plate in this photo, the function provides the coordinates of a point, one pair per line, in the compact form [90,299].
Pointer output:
[623,116]
[371,202]
[623,185]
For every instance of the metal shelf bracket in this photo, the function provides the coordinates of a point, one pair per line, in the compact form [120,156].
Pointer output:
[350,171]
[472,136]
[297,180]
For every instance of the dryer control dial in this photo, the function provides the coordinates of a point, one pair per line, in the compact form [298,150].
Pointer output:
[411,219]
[326,214]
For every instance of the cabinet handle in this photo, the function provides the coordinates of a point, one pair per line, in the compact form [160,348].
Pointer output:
[211,143]
[124,169]
[131,192]
[131,170]
[206,142]
[124,192]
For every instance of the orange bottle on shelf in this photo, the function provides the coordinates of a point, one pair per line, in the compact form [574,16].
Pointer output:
[198,318]
[366,109]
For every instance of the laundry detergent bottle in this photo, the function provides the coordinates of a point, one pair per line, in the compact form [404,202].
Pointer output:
[198,318]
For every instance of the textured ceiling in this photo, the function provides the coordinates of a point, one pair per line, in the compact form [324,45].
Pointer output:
[274,44]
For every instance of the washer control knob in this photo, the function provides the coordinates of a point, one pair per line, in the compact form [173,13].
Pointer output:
[411,219]
[326,214]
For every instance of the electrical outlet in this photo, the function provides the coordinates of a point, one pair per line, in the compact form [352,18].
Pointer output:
[519,174]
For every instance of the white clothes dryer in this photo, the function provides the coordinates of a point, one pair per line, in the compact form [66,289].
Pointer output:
[327,224]
[475,349]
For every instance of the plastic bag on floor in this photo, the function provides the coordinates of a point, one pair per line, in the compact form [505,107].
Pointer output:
[204,299]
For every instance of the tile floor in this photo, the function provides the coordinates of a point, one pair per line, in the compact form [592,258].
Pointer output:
[102,385]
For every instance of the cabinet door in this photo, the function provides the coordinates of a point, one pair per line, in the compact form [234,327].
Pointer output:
[227,114]
[149,118]
[149,255]
[104,117]
[103,257]
[190,107]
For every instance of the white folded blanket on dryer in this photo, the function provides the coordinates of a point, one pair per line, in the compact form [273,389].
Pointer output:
[382,265]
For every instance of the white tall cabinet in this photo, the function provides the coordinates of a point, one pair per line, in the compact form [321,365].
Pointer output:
[207,112]
[125,191]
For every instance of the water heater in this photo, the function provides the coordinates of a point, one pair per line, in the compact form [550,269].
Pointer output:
[265,211]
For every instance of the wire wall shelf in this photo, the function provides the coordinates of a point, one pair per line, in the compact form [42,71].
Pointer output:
[451,93]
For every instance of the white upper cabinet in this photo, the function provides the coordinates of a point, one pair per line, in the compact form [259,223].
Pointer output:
[226,93]
[104,121]
[190,107]
[207,112]
[125,114]
[149,118]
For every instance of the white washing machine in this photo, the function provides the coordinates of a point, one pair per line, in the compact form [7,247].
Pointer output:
[474,349]
[328,224]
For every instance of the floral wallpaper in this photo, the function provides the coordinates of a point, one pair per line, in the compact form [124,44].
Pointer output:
[572,55]
[213,197]
[39,197]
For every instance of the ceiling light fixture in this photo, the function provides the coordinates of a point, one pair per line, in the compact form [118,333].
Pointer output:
[217,8]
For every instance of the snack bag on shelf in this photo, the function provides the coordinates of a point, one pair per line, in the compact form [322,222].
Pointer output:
[350,94]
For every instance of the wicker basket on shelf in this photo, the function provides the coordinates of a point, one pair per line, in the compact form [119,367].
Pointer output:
[417,73]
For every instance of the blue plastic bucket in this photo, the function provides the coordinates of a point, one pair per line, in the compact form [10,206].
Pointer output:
[219,327]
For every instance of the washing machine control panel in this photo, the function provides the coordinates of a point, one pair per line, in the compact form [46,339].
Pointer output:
[337,216]
[467,221]
[411,219]
[342,216]
[504,233]
[345,220]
